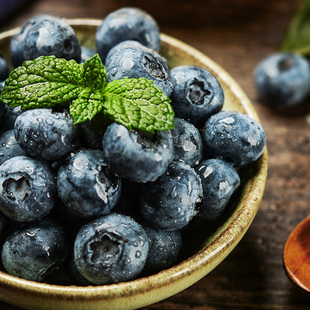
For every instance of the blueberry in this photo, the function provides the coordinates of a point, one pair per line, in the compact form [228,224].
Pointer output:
[9,117]
[86,53]
[172,201]
[52,36]
[18,40]
[86,184]
[35,250]
[135,155]
[197,94]
[283,79]
[4,68]
[234,137]
[111,249]
[164,248]
[187,142]
[121,45]
[136,62]
[27,188]
[219,181]
[9,147]
[127,23]
[45,134]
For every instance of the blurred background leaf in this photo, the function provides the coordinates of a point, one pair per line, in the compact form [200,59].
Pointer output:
[297,38]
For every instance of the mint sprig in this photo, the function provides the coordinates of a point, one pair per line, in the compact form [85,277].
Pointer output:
[48,81]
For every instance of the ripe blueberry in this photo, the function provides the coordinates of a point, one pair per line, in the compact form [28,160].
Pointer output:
[111,249]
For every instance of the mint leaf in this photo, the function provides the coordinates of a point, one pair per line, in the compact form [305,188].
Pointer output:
[297,37]
[44,82]
[138,103]
[95,73]
[48,81]
[87,105]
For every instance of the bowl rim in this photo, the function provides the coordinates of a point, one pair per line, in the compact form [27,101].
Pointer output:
[200,263]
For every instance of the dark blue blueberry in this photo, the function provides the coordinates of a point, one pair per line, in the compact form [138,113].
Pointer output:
[283,79]
[18,40]
[172,201]
[9,117]
[111,249]
[35,250]
[45,134]
[234,137]
[127,23]
[9,147]
[219,181]
[4,69]
[52,36]
[86,184]
[121,45]
[187,142]
[135,155]
[197,94]
[73,272]
[86,53]
[27,188]
[164,248]
[136,62]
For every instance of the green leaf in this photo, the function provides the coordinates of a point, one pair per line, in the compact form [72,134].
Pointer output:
[95,73]
[138,103]
[44,82]
[87,105]
[297,37]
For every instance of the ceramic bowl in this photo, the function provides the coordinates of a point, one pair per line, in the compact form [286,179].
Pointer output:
[208,246]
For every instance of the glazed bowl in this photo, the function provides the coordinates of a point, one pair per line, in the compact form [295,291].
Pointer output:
[207,245]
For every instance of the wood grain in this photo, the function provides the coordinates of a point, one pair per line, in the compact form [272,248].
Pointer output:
[236,34]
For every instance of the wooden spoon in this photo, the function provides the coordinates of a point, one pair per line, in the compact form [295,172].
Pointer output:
[296,255]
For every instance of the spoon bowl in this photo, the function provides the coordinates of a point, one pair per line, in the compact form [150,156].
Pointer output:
[296,255]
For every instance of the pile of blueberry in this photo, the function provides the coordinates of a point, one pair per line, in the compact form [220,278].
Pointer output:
[104,202]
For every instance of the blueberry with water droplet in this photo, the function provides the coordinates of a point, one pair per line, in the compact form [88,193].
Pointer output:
[111,249]
[51,35]
[165,247]
[27,188]
[46,134]
[139,61]
[128,23]
[87,185]
[219,182]
[135,155]
[8,146]
[117,47]
[197,94]
[35,250]
[187,142]
[234,137]
[173,200]
[18,40]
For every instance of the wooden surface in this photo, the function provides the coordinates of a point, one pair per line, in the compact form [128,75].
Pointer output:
[236,34]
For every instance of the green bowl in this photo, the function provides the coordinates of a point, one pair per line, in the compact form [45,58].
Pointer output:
[209,244]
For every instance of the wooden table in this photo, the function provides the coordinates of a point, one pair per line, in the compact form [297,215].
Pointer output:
[236,34]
